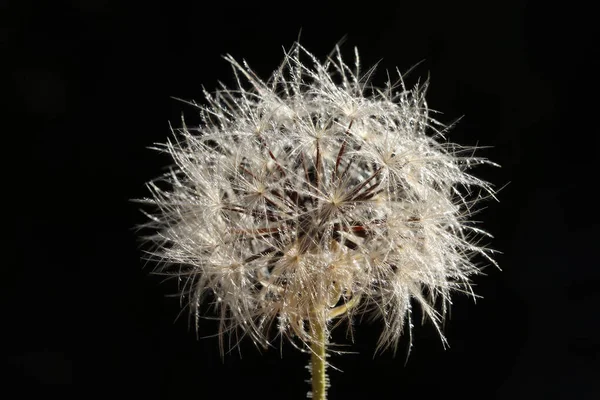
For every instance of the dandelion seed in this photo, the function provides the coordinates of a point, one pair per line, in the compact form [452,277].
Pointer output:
[312,197]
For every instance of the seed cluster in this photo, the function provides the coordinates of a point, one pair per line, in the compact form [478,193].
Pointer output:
[315,196]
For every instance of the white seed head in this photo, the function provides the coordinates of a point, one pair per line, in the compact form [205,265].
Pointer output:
[315,196]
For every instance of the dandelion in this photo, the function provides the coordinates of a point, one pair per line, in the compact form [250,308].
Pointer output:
[314,197]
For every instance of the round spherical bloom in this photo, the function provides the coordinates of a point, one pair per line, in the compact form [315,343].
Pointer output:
[315,196]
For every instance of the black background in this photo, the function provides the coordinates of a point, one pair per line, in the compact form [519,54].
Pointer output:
[89,85]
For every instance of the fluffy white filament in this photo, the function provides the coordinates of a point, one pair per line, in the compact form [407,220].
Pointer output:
[314,196]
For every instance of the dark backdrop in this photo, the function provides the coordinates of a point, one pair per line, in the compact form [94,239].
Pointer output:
[89,86]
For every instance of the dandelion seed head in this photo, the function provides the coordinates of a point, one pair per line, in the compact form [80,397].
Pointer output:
[316,196]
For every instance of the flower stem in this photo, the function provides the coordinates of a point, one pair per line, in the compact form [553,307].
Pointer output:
[318,362]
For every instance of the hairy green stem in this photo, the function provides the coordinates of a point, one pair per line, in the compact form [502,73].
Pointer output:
[318,361]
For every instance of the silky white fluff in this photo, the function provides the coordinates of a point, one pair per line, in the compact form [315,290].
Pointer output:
[315,196]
